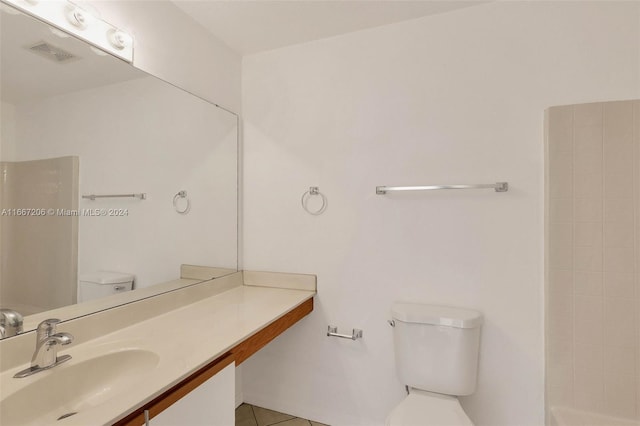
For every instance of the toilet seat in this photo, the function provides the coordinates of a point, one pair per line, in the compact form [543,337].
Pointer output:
[421,408]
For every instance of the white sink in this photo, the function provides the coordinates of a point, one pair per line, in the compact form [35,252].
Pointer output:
[76,386]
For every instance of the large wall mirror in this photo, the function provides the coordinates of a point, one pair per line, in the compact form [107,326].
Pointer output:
[77,122]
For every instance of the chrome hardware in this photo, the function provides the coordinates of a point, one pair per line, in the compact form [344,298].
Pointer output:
[45,355]
[146,417]
[313,191]
[333,332]
[181,195]
[93,197]
[498,187]
[10,323]
[392,323]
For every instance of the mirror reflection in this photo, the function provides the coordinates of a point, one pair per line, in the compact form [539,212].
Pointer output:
[111,178]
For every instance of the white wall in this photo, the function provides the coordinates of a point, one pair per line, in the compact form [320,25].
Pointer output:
[452,98]
[171,45]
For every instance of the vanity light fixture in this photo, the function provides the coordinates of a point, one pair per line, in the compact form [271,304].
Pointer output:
[67,17]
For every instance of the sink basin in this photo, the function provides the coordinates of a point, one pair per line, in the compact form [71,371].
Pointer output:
[76,386]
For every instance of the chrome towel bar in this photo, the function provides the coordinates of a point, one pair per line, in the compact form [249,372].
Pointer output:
[92,197]
[498,187]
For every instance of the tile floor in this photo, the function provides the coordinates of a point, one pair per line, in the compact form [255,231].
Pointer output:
[250,415]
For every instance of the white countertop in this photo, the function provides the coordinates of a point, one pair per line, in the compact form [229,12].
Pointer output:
[184,339]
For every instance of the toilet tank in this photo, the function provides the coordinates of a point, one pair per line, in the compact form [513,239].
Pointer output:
[103,283]
[436,347]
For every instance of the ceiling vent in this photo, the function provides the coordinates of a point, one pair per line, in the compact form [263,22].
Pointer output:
[52,52]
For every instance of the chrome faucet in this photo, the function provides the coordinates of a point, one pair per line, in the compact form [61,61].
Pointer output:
[46,353]
[10,323]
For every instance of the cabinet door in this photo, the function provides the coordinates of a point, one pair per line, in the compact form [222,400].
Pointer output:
[211,404]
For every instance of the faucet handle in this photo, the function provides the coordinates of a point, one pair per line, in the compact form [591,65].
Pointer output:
[47,328]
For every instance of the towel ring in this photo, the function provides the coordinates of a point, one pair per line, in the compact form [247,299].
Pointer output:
[314,190]
[181,195]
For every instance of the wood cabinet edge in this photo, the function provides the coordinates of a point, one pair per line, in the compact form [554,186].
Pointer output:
[238,353]
[257,341]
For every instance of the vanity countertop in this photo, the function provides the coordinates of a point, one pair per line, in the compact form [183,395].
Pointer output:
[183,340]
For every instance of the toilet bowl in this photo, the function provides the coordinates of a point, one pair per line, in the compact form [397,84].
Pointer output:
[422,408]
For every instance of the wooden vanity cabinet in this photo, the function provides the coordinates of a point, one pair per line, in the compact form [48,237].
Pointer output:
[208,395]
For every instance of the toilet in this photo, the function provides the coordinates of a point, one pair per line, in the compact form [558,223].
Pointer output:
[103,283]
[436,356]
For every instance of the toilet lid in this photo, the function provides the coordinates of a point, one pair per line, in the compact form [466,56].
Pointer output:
[428,409]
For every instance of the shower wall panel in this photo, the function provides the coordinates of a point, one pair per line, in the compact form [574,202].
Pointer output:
[593,257]
[39,241]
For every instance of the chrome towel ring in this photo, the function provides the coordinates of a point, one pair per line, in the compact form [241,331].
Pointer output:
[181,195]
[313,191]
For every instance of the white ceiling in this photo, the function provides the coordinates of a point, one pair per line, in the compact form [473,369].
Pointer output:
[251,26]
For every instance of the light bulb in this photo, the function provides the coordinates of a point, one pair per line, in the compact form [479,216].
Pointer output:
[119,39]
[77,17]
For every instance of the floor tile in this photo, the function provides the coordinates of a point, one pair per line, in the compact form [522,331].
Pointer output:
[266,417]
[244,416]
[294,422]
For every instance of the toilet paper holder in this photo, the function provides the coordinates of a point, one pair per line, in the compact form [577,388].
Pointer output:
[332,331]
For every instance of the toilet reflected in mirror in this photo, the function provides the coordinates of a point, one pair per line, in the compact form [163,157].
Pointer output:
[103,283]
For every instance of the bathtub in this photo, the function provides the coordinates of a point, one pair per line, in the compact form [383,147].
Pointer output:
[565,416]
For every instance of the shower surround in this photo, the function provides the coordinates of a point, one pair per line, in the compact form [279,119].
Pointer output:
[592,263]
[38,247]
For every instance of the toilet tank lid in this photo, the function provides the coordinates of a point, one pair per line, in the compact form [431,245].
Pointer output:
[107,277]
[436,315]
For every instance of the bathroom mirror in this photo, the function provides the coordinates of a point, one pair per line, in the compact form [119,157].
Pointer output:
[162,164]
